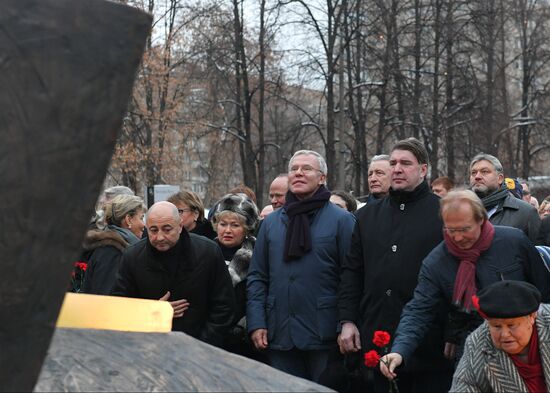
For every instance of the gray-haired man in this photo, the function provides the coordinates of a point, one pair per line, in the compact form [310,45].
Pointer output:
[487,181]
[379,177]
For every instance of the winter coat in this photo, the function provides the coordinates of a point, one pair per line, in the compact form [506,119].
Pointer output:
[238,262]
[202,279]
[484,368]
[544,233]
[517,213]
[204,228]
[103,250]
[391,239]
[296,300]
[511,256]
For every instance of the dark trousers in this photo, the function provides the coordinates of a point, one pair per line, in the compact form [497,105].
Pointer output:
[421,381]
[304,364]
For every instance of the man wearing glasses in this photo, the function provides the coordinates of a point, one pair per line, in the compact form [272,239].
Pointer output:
[473,255]
[293,277]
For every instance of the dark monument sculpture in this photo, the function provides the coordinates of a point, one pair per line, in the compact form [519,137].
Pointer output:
[66,73]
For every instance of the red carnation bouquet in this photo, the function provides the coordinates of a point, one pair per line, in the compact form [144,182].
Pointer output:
[77,279]
[381,339]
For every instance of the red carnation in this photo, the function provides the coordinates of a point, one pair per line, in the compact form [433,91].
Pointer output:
[475,302]
[381,338]
[81,265]
[372,358]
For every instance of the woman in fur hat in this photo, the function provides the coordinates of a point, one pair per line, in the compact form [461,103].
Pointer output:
[103,248]
[235,220]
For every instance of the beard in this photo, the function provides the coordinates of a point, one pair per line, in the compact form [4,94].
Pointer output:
[482,190]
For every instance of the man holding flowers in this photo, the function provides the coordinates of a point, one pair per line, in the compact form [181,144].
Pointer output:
[390,240]
[474,255]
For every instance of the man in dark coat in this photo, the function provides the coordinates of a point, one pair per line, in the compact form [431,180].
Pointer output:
[186,269]
[487,181]
[390,240]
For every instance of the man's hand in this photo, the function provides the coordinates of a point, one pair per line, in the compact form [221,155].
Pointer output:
[179,306]
[349,339]
[388,363]
[450,351]
[259,338]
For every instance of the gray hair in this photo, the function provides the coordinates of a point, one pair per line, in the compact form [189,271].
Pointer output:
[380,157]
[112,192]
[121,206]
[320,159]
[487,157]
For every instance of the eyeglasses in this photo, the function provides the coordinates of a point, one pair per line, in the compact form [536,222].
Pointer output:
[306,169]
[181,211]
[462,231]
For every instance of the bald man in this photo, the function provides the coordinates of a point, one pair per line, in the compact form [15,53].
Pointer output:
[187,270]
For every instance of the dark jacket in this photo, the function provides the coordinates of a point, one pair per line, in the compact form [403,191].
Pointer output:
[517,213]
[296,301]
[544,233]
[103,251]
[202,279]
[511,256]
[390,240]
[204,228]
[238,261]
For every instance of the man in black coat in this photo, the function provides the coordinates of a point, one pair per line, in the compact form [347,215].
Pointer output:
[186,269]
[390,240]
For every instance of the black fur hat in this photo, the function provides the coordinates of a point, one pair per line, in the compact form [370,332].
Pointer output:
[239,204]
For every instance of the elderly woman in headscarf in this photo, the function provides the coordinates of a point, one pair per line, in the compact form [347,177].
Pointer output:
[103,247]
[235,219]
[473,255]
[510,352]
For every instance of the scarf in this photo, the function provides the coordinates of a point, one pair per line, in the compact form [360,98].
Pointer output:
[491,200]
[531,372]
[126,234]
[298,234]
[465,282]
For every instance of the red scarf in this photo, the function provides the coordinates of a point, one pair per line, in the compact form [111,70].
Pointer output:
[531,372]
[465,282]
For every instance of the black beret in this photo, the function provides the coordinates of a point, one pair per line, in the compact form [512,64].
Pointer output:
[508,299]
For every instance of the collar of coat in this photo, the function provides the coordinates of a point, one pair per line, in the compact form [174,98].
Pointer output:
[97,238]
[501,371]
[410,196]
[238,267]
[183,250]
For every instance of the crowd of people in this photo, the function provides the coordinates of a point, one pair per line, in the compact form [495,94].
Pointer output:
[304,283]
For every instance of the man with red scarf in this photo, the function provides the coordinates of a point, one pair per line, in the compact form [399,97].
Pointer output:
[511,351]
[473,255]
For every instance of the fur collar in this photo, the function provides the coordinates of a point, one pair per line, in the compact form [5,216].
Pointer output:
[97,238]
[238,267]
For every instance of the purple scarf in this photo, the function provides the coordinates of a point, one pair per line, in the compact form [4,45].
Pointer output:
[298,234]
